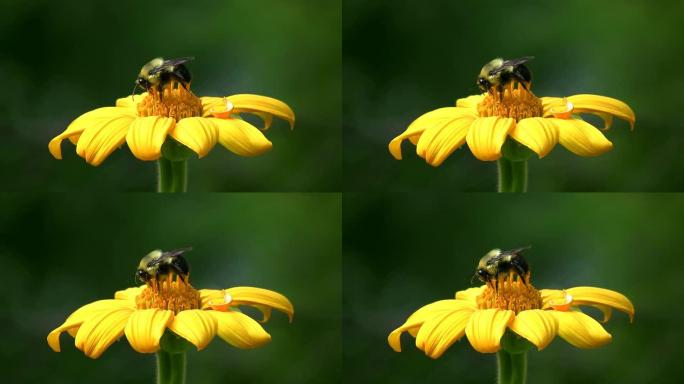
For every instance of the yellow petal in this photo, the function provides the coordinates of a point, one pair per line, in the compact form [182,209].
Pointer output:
[145,327]
[99,331]
[416,320]
[196,133]
[487,135]
[581,330]
[486,327]
[240,330]
[440,141]
[131,101]
[602,297]
[74,321]
[555,297]
[129,293]
[207,295]
[147,134]
[537,326]
[241,138]
[99,133]
[582,138]
[536,133]
[470,102]
[196,326]
[212,104]
[550,103]
[601,106]
[437,118]
[470,294]
[95,118]
[438,333]
[261,104]
[258,297]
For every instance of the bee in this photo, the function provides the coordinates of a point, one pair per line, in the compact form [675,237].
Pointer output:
[158,265]
[498,73]
[503,263]
[159,72]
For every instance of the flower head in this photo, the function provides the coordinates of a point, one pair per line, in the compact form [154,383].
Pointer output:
[144,313]
[486,121]
[146,121]
[485,313]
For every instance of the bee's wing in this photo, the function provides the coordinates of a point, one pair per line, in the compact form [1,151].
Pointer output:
[176,252]
[521,249]
[170,63]
[511,63]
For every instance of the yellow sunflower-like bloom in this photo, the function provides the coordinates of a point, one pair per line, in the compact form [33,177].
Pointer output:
[486,121]
[145,121]
[144,313]
[484,314]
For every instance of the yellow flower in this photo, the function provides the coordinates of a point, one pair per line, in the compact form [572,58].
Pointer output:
[485,121]
[144,313]
[145,121]
[484,314]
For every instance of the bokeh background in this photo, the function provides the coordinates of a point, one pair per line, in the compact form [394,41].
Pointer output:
[402,60]
[403,251]
[60,60]
[59,253]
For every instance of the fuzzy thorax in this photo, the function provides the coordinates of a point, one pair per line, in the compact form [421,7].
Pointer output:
[175,295]
[514,294]
[177,103]
[516,103]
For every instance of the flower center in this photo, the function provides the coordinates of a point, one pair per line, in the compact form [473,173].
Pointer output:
[178,103]
[516,295]
[168,294]
[516,103]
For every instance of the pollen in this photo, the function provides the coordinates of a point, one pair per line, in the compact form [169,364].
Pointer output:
[517,103]
[509,293]
[175,295]
[176,102]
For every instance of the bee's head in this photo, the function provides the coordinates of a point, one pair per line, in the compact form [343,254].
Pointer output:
[141,276]
[142,82]
[483,84]
[483,275]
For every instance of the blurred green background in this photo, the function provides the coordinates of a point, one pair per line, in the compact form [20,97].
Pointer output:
[403,251]
[402,60]
[62,59]
[59,253]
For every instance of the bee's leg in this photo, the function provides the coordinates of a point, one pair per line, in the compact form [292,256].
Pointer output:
[519,270]
[500,89]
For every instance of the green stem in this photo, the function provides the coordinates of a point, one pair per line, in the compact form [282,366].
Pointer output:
[512,367]
[163,367]
[518,368]
[504,167]
[512,176]
[503,360]
[173,175]
[170,367]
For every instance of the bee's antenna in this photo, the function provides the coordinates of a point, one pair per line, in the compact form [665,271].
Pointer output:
[134,89]
[472,278]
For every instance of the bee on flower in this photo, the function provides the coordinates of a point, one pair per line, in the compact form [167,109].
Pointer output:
[169,115]
[508,308]
[168,303]
[509,113]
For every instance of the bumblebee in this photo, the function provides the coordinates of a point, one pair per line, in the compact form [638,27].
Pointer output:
[158,265]
[498,73]
[502,263]
[159,72]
